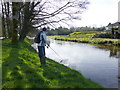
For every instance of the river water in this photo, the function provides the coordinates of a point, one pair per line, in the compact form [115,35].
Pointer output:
[99,64]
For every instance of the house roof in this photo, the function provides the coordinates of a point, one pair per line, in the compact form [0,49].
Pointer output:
[114,24]
[117,24]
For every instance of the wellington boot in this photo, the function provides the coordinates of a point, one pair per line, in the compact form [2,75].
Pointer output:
[43,60]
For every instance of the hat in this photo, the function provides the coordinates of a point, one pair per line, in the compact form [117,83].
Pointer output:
[44,29]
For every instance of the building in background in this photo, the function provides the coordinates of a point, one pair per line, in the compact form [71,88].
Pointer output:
[116,24]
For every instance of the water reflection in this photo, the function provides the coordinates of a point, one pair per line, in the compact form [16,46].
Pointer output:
[114,53]
[114,50]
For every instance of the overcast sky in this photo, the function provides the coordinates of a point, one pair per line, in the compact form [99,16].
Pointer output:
[99,13]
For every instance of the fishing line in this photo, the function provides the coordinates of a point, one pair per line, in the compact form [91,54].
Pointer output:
[57,54]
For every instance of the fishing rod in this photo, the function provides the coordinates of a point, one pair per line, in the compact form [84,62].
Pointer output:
[57,54]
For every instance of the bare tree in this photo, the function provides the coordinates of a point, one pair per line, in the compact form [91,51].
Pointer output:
[35,14]
[55,11]
[12,18]
[50,12]
[6,19]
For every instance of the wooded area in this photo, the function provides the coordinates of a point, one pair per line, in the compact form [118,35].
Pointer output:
[19,18]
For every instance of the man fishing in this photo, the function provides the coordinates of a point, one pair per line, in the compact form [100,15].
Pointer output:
[41,46]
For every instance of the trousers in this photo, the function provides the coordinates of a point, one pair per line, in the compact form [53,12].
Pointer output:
[41,53]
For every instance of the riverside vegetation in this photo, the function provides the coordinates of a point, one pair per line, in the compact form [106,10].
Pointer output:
[21,69]
[93,37]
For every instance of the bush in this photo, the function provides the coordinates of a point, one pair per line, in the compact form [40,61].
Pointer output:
[102,35]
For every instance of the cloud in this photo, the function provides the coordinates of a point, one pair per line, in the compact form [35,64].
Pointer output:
[100,12]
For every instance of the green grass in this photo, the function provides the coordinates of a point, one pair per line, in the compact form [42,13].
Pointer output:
[21,69]
[88,37]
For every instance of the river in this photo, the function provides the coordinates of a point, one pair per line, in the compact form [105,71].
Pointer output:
[97,63]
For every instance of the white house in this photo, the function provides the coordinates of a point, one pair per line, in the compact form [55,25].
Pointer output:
[114,25]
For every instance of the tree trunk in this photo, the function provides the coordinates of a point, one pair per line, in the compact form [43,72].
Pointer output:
[15,22]
[3,23]
[8,21]
[3,27]
[25,29]
[26,22]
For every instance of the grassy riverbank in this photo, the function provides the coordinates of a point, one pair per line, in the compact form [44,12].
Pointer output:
[21,69]
[88,37]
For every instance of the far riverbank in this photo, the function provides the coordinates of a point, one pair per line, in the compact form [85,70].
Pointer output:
[102,41]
